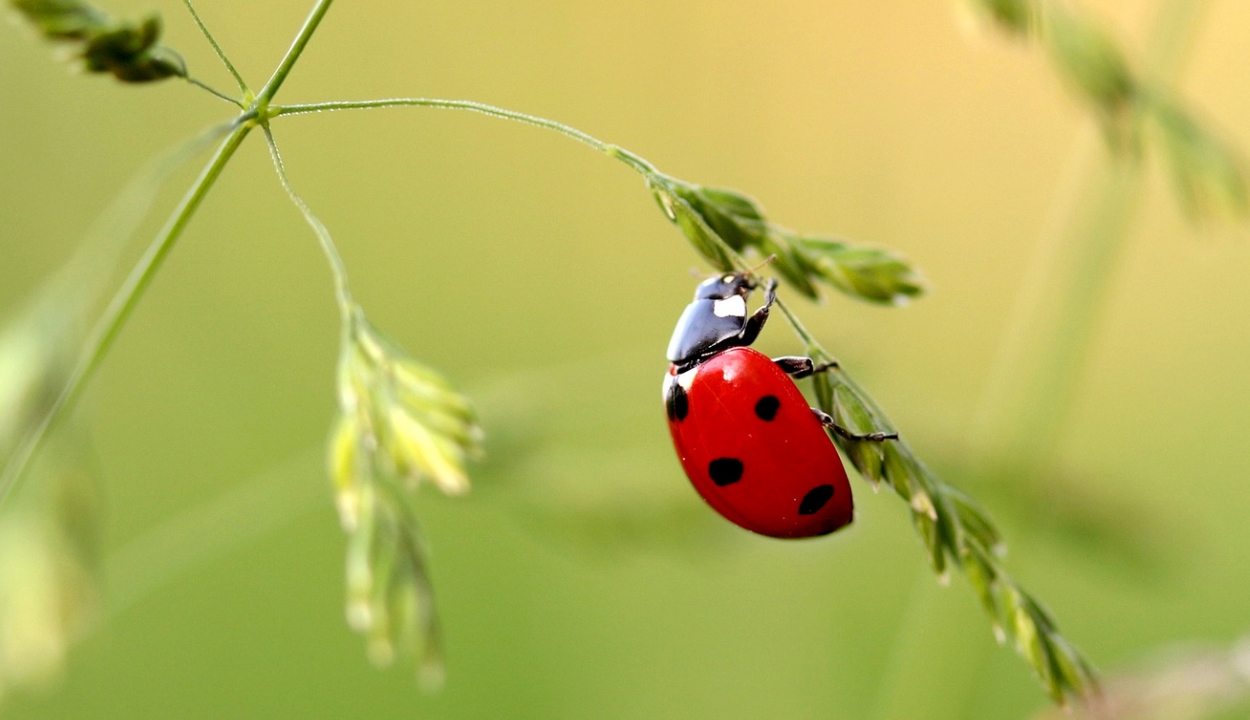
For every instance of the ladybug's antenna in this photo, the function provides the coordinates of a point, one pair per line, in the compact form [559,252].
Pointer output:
[766,261]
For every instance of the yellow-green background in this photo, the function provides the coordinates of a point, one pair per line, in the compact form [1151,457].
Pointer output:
[583,578]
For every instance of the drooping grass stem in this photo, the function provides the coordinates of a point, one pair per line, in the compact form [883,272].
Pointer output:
[337,268]
[635,162]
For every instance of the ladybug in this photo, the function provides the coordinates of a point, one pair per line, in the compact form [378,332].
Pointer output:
[745,435]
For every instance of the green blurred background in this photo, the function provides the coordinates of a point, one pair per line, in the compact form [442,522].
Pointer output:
[583,577]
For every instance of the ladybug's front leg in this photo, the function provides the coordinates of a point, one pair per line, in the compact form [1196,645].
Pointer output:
[799,367]
[755,323]
[828,422]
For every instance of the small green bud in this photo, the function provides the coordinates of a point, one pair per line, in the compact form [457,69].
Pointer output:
[345,467]
[736,218]
[693,226]
[921,503]
[421,428]
[982,577]
[1089,58]
[419,453]
[851,414]
[977,524]
[129,52]
[790,263]
[867,273]
[359,573]
[431,674]
[898,472]
[741,208]
[62,19]
[1209,175]
[389,599]
[927,529]
[1016,16]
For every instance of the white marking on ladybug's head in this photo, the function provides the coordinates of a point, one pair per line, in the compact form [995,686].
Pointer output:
[727,279]
[730,307]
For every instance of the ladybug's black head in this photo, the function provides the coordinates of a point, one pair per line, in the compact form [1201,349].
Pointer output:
[724,286]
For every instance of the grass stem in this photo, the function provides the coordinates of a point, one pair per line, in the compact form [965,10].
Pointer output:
[292,54]
[637,163]
[204,86]
[119,309]
[221,54]
[337,268]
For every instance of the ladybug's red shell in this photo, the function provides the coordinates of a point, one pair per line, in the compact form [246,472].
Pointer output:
[753,448]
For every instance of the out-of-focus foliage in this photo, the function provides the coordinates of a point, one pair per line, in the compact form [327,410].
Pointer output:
[1209,174]
[49,568]
[415,425]
[49,531]
[36,355]
[1185,686]
[130,51]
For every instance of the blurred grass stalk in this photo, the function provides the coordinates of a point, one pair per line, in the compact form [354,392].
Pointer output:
[49,578]
[1184,685]
[41,363]
[1030,391]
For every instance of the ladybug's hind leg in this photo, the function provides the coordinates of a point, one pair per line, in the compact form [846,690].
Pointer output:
[799,367]
[828,422]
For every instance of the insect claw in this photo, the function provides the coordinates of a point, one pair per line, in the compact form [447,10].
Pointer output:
[828,422]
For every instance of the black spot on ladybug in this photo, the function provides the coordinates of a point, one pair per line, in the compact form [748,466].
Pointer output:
[676,403]
[725,471]
[766,408]
[815,499]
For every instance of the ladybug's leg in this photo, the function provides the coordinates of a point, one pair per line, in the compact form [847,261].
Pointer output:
[799,367]
[755,323]
[871,437]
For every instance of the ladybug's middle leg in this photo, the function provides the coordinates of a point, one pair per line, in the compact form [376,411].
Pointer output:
[828,422]
[799,367]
